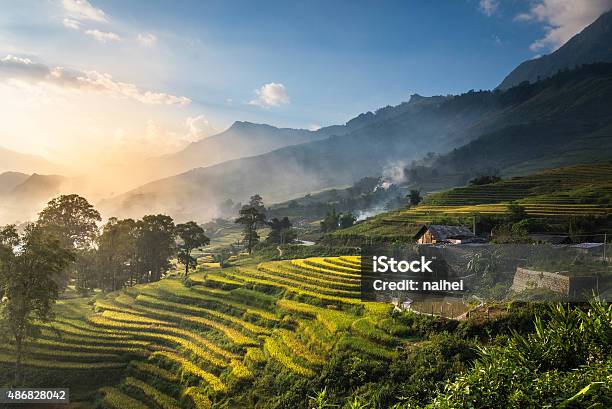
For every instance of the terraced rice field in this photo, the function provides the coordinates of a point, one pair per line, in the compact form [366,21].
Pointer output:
[584,190]
[188,345]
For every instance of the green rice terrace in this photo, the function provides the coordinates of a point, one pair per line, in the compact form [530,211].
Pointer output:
[278,334]
[172,344]
[584,190]
[563,193]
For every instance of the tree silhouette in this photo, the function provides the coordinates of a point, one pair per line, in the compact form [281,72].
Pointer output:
[192,237]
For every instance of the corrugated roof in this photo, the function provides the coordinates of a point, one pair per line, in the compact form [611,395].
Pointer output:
[442,232]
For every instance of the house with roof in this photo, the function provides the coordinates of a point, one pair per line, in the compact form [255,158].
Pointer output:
[438,233]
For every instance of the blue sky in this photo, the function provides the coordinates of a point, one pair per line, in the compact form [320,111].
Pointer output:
[336,59]
[169,72]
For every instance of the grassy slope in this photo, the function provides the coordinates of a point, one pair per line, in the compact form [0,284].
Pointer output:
[574,191]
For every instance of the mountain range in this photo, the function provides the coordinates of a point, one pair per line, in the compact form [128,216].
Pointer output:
[239,140]
[563,120]
[551,111]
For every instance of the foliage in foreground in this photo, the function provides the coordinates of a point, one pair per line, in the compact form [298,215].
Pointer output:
[564,363]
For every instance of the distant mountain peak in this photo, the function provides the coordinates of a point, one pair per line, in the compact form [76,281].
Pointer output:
[414,98]
[247,124]
[591,45]
[417,99]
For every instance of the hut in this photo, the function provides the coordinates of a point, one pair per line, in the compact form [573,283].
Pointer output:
[438,233]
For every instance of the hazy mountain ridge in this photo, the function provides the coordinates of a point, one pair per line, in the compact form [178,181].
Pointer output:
[8,181]
[239,140]
[22,196]
[592,45]
[245,139]
[13,161]
[423,125]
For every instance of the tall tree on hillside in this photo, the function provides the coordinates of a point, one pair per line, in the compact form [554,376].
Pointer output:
[155,245]
[347,220]
[256,201]
[280,231]
[414,197]
[28,288]
[252,216]
[191,237]
[330,222]
[116,254]
[73,221]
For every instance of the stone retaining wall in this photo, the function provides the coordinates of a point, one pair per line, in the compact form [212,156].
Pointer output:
[525,279]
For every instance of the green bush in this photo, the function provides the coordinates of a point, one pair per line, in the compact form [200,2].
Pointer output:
[565,362]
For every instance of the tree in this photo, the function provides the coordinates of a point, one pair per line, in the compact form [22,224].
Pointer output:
[117,254]
[280,231]
[347,220]
[256,201]
[252,216]
[192,237]
[414,197]
[73,221]
[28,288]
[330,222]
[86,266]
[516,212]
[155,245]
[484,180]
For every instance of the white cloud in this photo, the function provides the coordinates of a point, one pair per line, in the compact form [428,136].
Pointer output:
[103,36]
[488,7]
[563,19]
[147,39]
[106,83]
[83,10]
[314,127]
[24,69]
[17,67]
[198,127]
[71,23]
[271,95]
